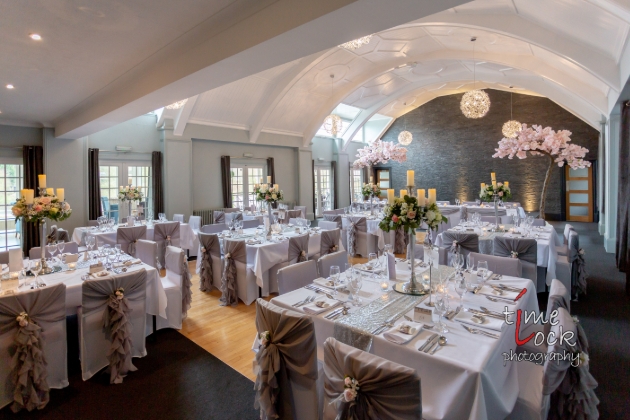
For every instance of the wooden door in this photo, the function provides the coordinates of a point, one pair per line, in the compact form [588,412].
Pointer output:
[383,180]
[579,196]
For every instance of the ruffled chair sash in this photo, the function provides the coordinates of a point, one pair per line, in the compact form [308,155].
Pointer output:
[329,242]
[576,259]
[298,248]
[355,224]
[177,262]
[463,213]
[290,347]
[218,217]
[166,234]
[334,218]
[233,251]
[209,246]
[401,240]
[24,313]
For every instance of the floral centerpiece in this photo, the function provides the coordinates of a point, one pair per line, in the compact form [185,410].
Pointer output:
[43,207]
[130,193]
[371,190]
[268,194]
[502,191]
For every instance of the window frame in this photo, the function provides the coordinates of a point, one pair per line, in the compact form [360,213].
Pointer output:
[319,202]
[246,196]
[9,218]
[124,174]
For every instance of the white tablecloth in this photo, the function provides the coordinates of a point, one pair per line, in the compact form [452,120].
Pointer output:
[187,236]
[464,380]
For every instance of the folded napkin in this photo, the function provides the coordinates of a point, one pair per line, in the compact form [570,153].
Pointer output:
[320,305]
[488,290]
[100,274]
[252,242]
[128,263]
[403,332]
[327,282]
[489,322]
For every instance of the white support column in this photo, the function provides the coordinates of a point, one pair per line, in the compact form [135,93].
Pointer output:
[601,182]
[305,181]
[612,179]
[178,177]
[343,175]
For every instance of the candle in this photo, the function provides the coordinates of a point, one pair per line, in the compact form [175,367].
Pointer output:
[61,194]
[410,178]
[50,191]
[403,193]
[22,192]
[494,184]
[72,265]
[390,196]
[29,196]
[507,184]
[483,185]
[371,179]
[493,175]
[268,179]
[42,181]
[384,285]
[139,188]
[129,181]
[422,197]
[432,196]
[261,180]
[275,187]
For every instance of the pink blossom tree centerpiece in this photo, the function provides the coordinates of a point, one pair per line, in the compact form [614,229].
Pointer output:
[538,141]
[379,152]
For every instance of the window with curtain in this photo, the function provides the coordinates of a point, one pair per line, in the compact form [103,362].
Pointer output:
[323,189]
[244,177]
[356,182]
[11,182]
[113,175]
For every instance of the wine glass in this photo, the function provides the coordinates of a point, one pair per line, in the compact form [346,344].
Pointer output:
[61,245]
[89,242]
[36,268]
[373,260]
[51,248]
[118,248]
[470,262]
[354,286]
[388,249]
[334,276]
[482,270]
[461,288]
[441,308]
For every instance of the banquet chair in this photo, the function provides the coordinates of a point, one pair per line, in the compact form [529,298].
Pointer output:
[46,307]
[329,243]
[302,210]
[331,218]
[293,337]
[500,265]
[359,241]
[209,262]
[166,234]
[339,259]
[95,342]
[194,222]
[248,224]
[147,252]
[564,248]
[218,217]
[58,234]
[4,257]
[178,218]
[539,222]
[231,210]
[216,228]
[177,287]
[466,242]
[91,223]
[571,268]
[384,385]
[298,252]
[490,219]
[128,236]
[525,250]
[553,389]
[469,203]
[243,280]
[290,214]
[294,276]
[234,216]
[442,254]
[35,253]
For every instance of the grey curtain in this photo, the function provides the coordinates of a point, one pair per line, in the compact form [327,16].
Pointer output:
[157,183]
[623,211]
[366,175]
[33,159]
[314,197]
[94,186]
[226,181]
[333,167]
[271,171]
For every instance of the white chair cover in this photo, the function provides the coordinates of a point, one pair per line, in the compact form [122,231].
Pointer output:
[333,218]
[559,297]
[286,365]
[177,287]
[302,210]
[325,225]
[218,217]
[295,276]
[147,252]
[539,222]
[210,266]
[248,224]
[216,228]
[357,236]
[127,237]
[178,218]
[233,251]
[231,210]
[339,258]
[41,357]
[387,390]
[464,243]
[525,250]
[166,234]
[35,253]
[194,222]
[329,242]
[500,265]
[107,340]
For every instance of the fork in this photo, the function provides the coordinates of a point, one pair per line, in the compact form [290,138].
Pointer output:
[382,328]
[305,301]
[482,332]
[500,300]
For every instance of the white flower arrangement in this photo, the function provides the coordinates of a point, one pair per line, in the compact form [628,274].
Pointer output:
[120,293]
[45,206]
[405,213]
[350,389]
[130,193]
[268,194]
[23,319]
[502,191]
[265,338]
[370,190]
[514,254]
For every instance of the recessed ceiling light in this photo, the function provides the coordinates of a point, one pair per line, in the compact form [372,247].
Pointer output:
[10,86]
[35,37]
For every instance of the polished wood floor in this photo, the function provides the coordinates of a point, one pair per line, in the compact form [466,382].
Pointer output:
[224,331]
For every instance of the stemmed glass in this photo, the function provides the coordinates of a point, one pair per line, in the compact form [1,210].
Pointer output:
[457,261]
[90,241]
[60,247]
[118,250]
[441,307]
[354,286]
[334,276]
[461,288]
[36,268]
[373,261]
[51,248]
[470,262]
[482,271]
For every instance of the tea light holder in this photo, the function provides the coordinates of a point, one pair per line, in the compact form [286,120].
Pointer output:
[384,285]
[72,266]
[14,275]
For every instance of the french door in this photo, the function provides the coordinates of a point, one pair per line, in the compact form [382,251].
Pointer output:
[11,182]
[323,189]
[579,196]
[113,175]
[243,178]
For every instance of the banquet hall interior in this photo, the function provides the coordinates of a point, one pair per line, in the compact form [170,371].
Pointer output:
[293,209]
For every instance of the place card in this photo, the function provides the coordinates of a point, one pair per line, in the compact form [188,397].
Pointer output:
[70,258]
[422,315]
[15,259]
[95,268]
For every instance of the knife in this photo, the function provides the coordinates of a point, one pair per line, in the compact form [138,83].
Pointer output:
[429,340]
[433,343]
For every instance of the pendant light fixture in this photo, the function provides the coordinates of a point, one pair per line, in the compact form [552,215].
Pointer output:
[511,128]
[332,123]
[475,103]
[405,137]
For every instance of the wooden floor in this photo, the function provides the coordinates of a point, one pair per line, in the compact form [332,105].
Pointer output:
[226,332]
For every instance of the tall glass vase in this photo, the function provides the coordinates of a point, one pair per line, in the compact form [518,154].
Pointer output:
[43,236]
[411,287]
[270,218]
[371,204]
[496,212]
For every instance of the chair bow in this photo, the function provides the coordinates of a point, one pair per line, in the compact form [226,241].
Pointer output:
[116,324]
[53,235]
[581,271]
[168,240]
[132,247]
[514,254]
[351,404]
[333,248]
[455,247]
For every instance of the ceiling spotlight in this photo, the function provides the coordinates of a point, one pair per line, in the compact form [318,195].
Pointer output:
[10,86]
[35,37]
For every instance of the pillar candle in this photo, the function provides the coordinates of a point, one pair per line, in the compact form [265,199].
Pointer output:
[403,193]
[432,196]
[494,184]
[507,184]
[268,179]
[61,194]
[275,187]
[483,185]
[410,176]
[121,188]
[371,179]
[23,192]
[139,188]
[422,199]
[50,191]
[42,181]
[29,196]
[129,181]
[493,175]
[390,196]
[261,180]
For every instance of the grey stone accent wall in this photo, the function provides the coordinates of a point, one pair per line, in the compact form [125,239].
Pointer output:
[453,154]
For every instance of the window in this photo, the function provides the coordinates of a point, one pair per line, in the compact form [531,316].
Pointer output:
[356,182]
[11,181]
[113,175]
[323,189]
[244,177]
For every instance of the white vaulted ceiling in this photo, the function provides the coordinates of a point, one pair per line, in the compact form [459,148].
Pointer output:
[575,52]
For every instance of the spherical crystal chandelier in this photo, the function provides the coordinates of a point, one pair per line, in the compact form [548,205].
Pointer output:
[356,43]
[332,123]
[177,105]
[475,103]
[511,128]
[405,137]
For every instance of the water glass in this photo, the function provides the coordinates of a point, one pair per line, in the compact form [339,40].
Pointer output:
[461,288]
[36,268]
[118,251]
[334,276]
[441,308]
[354,286]
[482,271]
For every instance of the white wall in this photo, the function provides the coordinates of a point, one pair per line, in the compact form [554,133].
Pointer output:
[12,138]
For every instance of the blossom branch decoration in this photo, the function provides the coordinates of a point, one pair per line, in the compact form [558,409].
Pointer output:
[379,152]
[539,141]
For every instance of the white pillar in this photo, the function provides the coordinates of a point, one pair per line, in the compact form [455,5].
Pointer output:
[343,175]
[178,177]
[601,182]
[305,181]
[612,179]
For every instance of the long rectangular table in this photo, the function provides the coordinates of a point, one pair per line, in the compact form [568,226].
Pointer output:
[467,379]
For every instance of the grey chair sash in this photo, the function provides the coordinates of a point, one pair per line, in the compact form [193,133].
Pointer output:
[237,216]
[165,234]
[329,242]
[233,251]
[53,234]
[333,218]
[291,350]
[576,259]
[209,246]
[29,363]
[525,249]
[218,217]
[129,236]
[176,261]
[355,224]
[298,248]
[401,240]
[463,213]
[459,242]
[102,293]
[387,390]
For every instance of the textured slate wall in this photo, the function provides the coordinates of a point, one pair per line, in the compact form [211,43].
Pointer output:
[454,154]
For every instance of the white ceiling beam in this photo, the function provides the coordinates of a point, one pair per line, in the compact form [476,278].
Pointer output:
[599,65]
[613,8]
[183,116]
[245,38]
